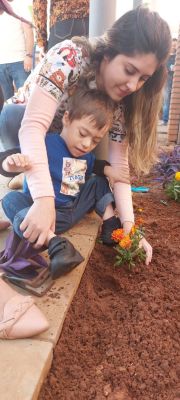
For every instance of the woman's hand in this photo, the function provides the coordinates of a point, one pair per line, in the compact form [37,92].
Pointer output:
[116,175]
[28,63]
[147,248]
[39,220]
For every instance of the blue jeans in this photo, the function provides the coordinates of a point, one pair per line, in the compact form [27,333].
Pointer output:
[67,29]
[95,194]
[10,122]
[12,74]
[167,99]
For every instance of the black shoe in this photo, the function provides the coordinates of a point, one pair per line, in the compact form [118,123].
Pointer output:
[108,226]
[64,257]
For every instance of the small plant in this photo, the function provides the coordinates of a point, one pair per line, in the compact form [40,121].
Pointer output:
[127,248]
[173,188]
[168,165]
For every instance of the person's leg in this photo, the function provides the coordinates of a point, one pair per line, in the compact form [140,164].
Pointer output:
[81,27]
[104,206]
[18,73]
[94,194]
[16,205]
[6,82]
[1,99]
[10,122]
[67,29]
[167,99]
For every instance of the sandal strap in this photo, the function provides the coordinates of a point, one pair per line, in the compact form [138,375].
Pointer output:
[13,310]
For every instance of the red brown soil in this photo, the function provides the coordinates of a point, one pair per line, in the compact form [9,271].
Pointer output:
[120,340]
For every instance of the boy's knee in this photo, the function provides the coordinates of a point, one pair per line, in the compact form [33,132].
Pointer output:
[9,204]
[10,197]
[7,200]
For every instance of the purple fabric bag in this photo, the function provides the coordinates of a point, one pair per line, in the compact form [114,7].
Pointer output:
[20,255]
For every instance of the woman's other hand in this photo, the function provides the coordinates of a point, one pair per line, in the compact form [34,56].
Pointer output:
[147,248]
[28,63]
[117,175]
[39,220]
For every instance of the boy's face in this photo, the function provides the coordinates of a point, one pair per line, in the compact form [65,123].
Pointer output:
[81,135]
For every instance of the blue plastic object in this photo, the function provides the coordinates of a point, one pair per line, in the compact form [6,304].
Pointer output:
[141,189]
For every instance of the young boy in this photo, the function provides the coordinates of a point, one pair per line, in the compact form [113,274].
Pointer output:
[71,164]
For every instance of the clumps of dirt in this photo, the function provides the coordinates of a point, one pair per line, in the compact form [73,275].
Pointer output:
[120,340]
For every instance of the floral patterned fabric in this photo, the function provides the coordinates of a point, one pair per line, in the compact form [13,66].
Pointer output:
[59,10]
[58,74]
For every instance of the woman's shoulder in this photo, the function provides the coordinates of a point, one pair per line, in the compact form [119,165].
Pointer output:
[65,54]
[62,67]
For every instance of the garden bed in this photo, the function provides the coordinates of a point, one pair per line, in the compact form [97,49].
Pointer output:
[120,340]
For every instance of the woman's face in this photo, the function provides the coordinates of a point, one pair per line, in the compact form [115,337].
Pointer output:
[124,75]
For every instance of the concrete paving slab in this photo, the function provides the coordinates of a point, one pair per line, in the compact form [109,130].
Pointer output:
[24,365]
[55,304]
[162,139]
[88,226]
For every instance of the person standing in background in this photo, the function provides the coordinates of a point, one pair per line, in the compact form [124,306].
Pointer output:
[16,49]
[168,88]
[67,18]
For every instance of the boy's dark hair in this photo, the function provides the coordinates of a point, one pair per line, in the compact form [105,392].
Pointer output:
[91,102]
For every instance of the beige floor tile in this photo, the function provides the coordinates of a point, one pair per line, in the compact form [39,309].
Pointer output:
[88,226]
[24,365]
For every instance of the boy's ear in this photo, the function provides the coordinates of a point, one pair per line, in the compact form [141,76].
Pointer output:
[65,119]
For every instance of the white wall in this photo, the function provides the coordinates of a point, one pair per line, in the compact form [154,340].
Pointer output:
[122,6]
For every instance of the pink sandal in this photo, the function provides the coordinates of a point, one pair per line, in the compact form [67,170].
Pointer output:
[21,318]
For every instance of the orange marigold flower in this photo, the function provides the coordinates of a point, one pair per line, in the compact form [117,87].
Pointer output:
[126,242]
[177,176]
[133,230]
[139,221]
[117,235]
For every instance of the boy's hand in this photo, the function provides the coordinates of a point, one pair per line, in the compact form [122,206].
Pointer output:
[16,163]
[115,176]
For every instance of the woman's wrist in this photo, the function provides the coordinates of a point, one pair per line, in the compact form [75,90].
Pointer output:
[45,199]
[127,226]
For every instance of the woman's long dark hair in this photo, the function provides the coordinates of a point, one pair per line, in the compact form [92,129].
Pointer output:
[139,31]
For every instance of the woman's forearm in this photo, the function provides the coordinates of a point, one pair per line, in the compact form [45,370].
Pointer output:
[37,119]
[123,201]
[118,157]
